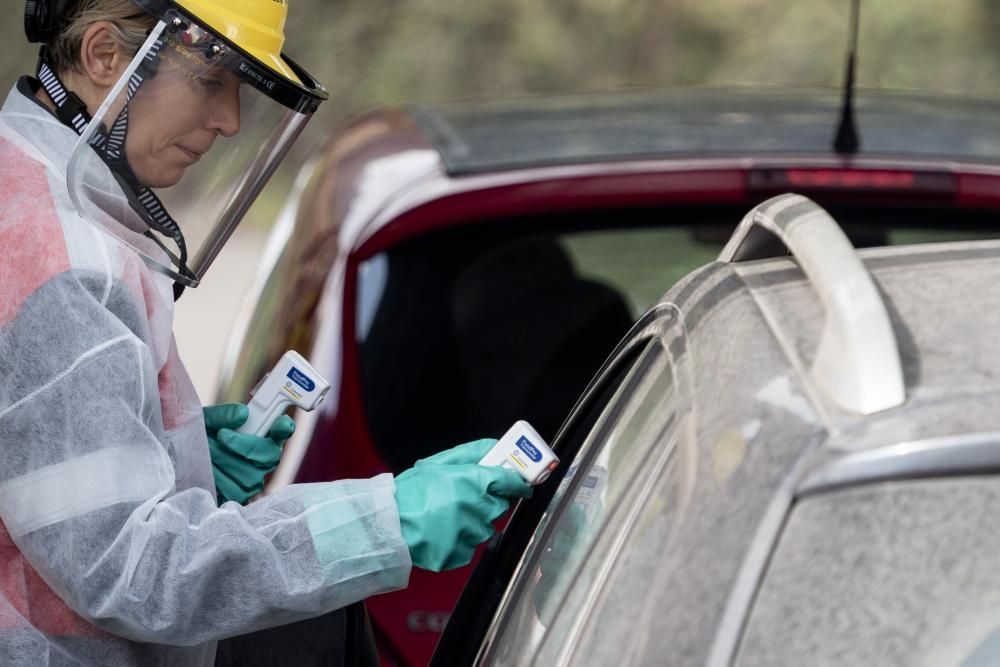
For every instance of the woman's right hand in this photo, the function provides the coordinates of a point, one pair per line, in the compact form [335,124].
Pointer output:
[446,509]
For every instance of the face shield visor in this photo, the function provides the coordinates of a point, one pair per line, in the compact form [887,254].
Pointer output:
[184,143]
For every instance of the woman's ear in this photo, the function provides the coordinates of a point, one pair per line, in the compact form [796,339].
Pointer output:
[101,57]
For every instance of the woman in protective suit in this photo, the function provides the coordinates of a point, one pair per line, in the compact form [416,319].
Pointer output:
[124,166]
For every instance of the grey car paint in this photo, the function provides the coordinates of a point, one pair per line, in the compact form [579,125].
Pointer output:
[722,521]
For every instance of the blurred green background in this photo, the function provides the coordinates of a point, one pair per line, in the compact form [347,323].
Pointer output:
[375,52]
[382,52]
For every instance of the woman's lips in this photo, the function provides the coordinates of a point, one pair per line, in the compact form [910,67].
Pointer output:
[191,155]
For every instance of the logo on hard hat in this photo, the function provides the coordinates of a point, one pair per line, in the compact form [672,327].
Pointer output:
[257,76]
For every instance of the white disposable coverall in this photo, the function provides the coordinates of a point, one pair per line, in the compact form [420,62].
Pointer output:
[112,548]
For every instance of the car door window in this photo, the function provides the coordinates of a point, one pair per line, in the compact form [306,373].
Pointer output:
[578,532]
[900,573]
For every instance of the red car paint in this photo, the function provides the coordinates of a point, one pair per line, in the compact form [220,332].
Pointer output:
[381,181]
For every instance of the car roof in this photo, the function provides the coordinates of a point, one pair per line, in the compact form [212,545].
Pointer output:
[942,301]
[752,434]
[704,122]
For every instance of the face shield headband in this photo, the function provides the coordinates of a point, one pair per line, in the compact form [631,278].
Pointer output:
[198,128]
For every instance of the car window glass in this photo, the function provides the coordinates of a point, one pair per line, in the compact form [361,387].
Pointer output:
[372,277]
[624,605]
[900,573]
[465,331]
[586,505]
[907,236]
[641,263]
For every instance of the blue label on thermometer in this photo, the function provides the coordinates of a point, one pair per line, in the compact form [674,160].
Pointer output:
[299,378]
[525,446]
[522,450]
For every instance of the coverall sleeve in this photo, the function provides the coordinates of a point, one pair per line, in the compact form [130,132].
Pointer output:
[87,492]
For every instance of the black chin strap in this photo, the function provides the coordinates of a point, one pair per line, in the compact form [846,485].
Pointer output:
[70,109]
[110,146]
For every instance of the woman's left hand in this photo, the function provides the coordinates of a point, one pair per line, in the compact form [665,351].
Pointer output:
[240,462]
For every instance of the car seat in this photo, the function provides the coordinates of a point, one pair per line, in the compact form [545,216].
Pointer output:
[530,334]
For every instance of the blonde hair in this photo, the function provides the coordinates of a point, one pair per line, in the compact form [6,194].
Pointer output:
[130,26]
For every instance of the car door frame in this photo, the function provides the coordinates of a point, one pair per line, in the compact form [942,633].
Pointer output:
[489,584]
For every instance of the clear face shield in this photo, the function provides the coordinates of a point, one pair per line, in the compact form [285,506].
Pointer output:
[184,143]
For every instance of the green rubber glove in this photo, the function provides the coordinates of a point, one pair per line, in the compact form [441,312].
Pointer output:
[447,510]
[240,462]
[470,452]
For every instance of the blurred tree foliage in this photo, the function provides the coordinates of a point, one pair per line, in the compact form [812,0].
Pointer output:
[375,52]
[379,52]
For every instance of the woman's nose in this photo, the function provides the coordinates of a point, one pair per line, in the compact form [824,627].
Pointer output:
[225,112]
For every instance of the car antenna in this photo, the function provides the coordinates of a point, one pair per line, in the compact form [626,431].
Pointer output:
[847,140]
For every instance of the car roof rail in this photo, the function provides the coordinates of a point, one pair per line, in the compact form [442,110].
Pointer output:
[857,364]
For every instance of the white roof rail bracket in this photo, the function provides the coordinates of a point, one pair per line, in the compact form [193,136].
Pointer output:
[857,364]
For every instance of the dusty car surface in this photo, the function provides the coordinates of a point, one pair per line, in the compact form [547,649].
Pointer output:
[453,270]
[788,461]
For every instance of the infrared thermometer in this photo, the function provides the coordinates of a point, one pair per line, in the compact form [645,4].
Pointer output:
[523,450]
[292,381]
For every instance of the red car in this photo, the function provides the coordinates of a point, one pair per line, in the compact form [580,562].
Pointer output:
[453,270]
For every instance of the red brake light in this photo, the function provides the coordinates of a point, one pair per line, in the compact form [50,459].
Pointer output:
[922,184]
[850,178]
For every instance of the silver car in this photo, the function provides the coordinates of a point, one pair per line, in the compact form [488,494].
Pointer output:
[788,461]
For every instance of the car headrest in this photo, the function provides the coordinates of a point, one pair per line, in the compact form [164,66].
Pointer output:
[531,333]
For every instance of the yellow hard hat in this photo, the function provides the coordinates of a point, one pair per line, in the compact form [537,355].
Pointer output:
[254,26]
[223,60]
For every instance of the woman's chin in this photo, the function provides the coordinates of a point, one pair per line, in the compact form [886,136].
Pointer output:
[162,178]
